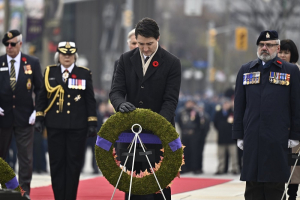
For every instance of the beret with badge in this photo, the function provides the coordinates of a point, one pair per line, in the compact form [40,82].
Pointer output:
[267,35]
[67,48]
[9,35]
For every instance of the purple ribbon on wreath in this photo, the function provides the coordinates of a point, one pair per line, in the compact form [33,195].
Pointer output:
[12,184]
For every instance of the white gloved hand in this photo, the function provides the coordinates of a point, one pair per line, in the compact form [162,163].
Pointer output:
[1,112]
[240,144]
[293,143]
[32,118]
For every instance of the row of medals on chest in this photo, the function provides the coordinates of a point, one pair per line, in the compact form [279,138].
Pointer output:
[275,78]
[74,83]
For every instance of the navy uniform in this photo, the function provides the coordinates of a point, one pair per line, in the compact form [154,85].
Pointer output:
[67,106]
[266,118]
[18,82]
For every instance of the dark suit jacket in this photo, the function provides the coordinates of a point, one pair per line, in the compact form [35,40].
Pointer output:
[158,90]
[76,114]
[18,105]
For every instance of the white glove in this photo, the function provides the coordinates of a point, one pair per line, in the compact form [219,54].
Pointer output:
[293,143]
[1,112]
[32,118]
[240,144]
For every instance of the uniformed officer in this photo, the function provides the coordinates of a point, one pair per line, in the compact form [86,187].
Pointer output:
[67,106]
[20,76]
[266,119]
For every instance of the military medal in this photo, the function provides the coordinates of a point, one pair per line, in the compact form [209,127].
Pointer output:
[27,69]
[282,78]
[251,78]
[65,76]
[257,77]
[73,84]
[245,79]
[76,84]
[70,83]
[28,84]
[248,79]
[288,79]
[83,84]
[80,84]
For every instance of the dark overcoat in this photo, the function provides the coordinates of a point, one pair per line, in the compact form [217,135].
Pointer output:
[266,116]
[158,90]
[223,125]
[79,106]
[18,105]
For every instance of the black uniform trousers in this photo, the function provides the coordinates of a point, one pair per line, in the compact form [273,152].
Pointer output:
[264,190]
[66,153]
[24,141]
[138,166]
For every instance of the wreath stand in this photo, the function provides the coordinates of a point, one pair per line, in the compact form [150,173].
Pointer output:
[133,142]
[286,187]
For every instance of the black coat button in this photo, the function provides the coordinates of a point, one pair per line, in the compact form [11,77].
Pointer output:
[142,87]
[141,103]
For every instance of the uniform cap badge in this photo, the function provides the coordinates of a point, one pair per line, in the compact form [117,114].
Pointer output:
[267,35]
[9,34]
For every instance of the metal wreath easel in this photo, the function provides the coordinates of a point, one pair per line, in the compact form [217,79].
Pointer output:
[286,187]
[133,142]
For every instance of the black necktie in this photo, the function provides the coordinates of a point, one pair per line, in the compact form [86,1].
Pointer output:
[12,75]
[146,59]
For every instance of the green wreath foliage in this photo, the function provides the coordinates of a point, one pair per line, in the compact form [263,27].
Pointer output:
[151,121]
[6,174]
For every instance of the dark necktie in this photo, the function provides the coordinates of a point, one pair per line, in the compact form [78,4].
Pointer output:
[12,75]
[146,59]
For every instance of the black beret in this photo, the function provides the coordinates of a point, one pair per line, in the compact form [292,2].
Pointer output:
[9,35]
[267,35]
[66,48]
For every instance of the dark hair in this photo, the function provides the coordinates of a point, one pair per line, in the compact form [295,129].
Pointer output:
[147,28]
[291,47]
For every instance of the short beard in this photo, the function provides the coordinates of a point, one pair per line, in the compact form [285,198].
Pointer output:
[268,57]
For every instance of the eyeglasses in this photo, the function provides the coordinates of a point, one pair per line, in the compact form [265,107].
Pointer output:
[13,44]
[268,45]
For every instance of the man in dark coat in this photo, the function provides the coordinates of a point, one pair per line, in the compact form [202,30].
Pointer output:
[20,76]
[67,106]
[147,77]
[266,119]
[223,123]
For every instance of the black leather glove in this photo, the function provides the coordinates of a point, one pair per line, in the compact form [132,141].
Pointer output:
[126,107]
[92,131]
[38,126]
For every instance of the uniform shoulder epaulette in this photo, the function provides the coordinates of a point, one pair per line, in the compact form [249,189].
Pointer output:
[51,65]
[84,68]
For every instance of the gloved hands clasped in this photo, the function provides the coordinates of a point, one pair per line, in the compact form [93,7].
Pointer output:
[92,131]
[126,107]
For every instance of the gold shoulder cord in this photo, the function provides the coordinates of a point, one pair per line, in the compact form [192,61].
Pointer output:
[59,91]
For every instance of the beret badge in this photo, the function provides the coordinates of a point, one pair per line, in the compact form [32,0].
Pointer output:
[9,35]
[267,35]
[68,45]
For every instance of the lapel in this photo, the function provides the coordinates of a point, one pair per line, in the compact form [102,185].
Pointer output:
[59,79]
[137,63]
[21,77]
[151,69]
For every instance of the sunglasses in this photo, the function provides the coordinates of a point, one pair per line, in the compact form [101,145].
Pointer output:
[13,44]
[268,45]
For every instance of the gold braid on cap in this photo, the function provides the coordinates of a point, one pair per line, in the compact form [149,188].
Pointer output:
[59,92]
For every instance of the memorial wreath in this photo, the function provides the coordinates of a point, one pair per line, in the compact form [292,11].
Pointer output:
[144,183]
[8,179]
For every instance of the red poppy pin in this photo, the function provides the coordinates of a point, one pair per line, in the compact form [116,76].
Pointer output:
[24,60]
[74,76]
[279,62]
[155,64]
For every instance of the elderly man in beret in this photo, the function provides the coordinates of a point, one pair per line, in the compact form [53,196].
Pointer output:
[266,119]
[20,76]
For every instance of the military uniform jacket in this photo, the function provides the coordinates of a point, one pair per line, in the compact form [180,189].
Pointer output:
[18,104]
[158,90]
[79,106]
[266,116]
